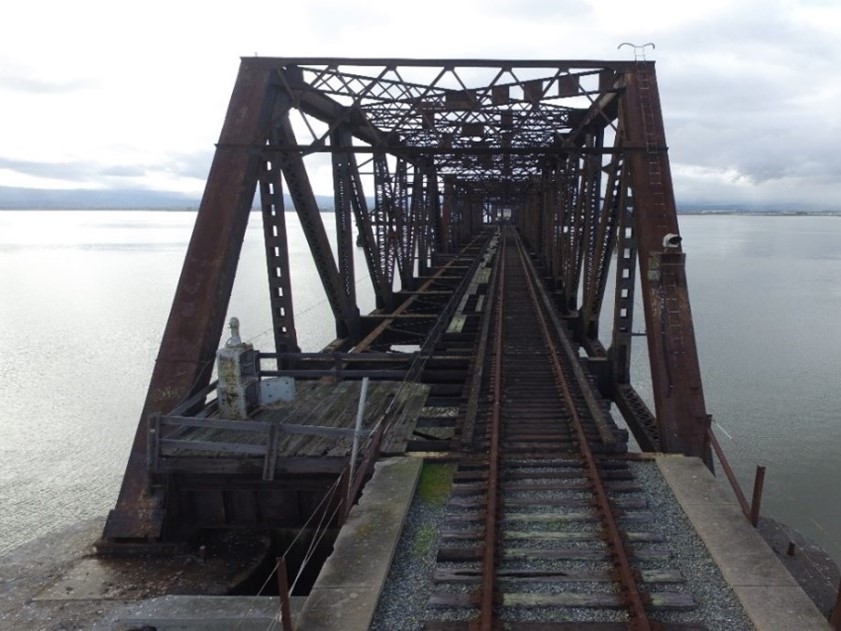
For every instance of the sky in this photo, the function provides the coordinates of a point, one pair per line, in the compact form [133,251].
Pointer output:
[111,95]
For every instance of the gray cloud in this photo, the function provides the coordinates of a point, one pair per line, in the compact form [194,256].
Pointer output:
[39,86]
[123,170]
[72,171]
[188,165]
[747,96]
[539,9]
[195,164]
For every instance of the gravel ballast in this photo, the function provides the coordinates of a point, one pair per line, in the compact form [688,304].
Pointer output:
[404,602]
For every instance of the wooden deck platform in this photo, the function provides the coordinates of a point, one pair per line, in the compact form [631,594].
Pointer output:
[314,432]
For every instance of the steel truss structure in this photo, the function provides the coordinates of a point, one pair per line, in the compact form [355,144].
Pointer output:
[423,154]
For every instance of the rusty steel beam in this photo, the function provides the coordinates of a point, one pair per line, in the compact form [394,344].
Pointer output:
[277,258]
[192,333]
[347,170]
[594,64]
[342,198]
[604,233]
[675,373]
[345,312]
[384,218]
[476,142]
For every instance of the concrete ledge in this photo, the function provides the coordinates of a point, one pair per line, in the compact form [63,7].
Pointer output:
[347,590]
[771,597]
[200,613]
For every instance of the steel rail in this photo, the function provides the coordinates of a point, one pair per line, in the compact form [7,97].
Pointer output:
[486,607]
[625,573]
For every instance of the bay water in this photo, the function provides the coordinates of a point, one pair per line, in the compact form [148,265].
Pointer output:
[84,296]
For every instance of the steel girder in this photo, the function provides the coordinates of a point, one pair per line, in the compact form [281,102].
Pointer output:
[447,141]
[601,233]
[676,377]
[277,257]
[303,197]
[191,337]
[343,198]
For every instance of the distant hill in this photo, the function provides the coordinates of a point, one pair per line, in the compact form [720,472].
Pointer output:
[77,199]
[123,199]
[128,199]
[781,208]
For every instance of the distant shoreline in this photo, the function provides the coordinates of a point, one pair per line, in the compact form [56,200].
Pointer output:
[758,213]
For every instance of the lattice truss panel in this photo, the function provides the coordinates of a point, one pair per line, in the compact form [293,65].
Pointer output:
[487,127]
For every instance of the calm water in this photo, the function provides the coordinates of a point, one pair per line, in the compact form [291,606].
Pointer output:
[85,296]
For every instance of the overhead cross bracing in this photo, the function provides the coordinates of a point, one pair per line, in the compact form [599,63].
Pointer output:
[487,128]
[419,157]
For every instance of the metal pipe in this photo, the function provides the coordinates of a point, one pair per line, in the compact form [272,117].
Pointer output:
[283,592]
[835,616]
[360,414]
[728,471]
[758,484]
[486,604]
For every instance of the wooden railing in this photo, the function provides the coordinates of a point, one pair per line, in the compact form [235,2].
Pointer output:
[171,432]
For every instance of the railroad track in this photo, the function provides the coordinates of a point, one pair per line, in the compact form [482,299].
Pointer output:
[546,528]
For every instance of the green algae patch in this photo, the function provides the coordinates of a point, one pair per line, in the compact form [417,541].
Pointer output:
[425,538]
[435,482]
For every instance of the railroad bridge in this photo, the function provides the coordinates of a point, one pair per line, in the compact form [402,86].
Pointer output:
[499,206]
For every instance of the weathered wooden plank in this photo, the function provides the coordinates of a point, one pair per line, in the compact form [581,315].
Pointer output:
[318,423]
[459,575]
[461,534]
[455,600]
[249,465]
[320,406]
[214,423]
[588,626]
[214,446]
[671,600]
[459,553]
[567,554]
[536,474]
[321,431]
[426,422]
[552,518]
[446,625]
[595,600]
[453,575]
[643,537]
[550,535]
[576,626]
[398,436]
[623,503]
[548,486]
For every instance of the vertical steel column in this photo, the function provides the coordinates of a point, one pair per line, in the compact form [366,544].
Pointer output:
[623,305]
[359,204]
[340,140]
[191,338]
[277,258]
[604,235]
[345,312]
[675,374]
[383,217]
[444,245]
[554,210]
[404,227]
[433,213]
[417,206]
[570,220]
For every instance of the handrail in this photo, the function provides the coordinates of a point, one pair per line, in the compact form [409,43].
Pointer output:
[728,471]
[196,398]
